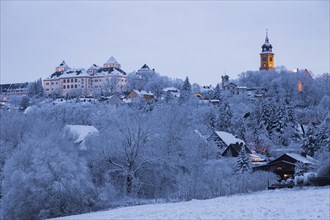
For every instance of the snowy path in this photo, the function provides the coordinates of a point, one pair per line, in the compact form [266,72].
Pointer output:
[305,203]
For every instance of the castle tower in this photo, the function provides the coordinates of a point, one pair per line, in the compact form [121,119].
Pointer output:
[62,67]
[266,55]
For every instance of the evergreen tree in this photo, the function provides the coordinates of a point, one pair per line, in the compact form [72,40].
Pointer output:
[300,169]
[186,87]
[241,129]
[185,90]
[217,92]
[310,142]
[24,103]
[225,117]
[243,164]
[266,116]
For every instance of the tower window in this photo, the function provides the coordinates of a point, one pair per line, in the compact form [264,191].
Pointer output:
[264,59]
[271,59]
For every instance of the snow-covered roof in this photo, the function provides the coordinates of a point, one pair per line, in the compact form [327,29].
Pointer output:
[142,92]
[64,65]
[228,138]
[69,74]
[74,72]
[82,132]
[170,89]
[113,71]
[298,157]
[94,67]
[112,60]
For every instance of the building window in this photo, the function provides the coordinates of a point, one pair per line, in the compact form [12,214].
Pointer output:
[75,80]
[52,83]
[271,59]
[47,83]
[47,89]
[72,80]
[64,81]
[82,80]
[64,87]
[71,86]
[264,59]
[56,83]
[75,86]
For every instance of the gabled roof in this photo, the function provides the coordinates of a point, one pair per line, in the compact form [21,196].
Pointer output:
[295,157]
[112,60]
[301,158]
[145,66]
[231,83]
[228,138]
[94,67]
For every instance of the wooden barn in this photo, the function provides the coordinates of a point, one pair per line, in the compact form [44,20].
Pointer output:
[284,165]
[228,143]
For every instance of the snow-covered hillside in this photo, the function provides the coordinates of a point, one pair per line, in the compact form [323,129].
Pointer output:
[304,203]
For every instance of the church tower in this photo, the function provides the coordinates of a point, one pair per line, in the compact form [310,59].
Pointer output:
[266,55]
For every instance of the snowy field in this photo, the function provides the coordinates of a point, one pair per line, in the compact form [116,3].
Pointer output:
[304,203]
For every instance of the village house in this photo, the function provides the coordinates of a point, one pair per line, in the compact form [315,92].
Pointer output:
[229,144]
[138,95]
[284,165]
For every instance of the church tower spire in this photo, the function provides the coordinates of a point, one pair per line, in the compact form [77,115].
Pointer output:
[266,55]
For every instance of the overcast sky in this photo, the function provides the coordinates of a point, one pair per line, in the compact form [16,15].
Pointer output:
[198,39]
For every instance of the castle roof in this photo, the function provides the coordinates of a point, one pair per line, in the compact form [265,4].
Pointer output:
[145,66]
[63,64]
[69,73]
[112,60]
[94,67]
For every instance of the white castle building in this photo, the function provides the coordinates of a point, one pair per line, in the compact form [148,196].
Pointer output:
[95,81]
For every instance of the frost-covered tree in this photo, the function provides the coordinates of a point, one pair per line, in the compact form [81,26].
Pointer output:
[35,88]
[46,178]
[217,92]
[243,163]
